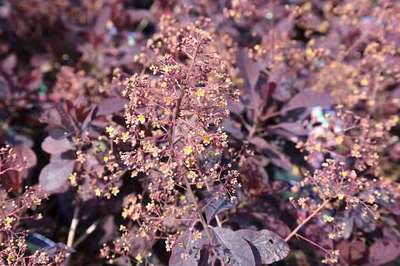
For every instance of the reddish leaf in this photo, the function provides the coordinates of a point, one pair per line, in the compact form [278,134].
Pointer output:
[254,177]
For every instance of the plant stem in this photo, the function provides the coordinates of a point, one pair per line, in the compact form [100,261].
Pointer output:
[72,228]
[88,231]
[196,205]
[312,243]
[305,221]
[174,117]
[177,108]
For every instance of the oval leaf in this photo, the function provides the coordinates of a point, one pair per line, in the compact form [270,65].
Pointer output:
[25,155]
[269,246]
[235,250]
[216,206]
[187,250]
[307,98]
[56,146]
[110,106]
[54,176]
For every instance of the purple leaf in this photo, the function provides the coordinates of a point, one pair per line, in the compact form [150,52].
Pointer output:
[289,129]
[362,221]
[216,206]
[276,155]
[54,177]
[249,68]
[26,154]
[110,106]
[101,21]
[56,146]
[234,250]
[307,98]
[233,128]
[396,93]
[9,63]
[186,251]
[382,253]
[58,133]
[88,119]
[269,246]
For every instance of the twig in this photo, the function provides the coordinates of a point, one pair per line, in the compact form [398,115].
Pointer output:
[88,231]
[294,232]
[196,205]
[312,243]
[72,228]
[218,221]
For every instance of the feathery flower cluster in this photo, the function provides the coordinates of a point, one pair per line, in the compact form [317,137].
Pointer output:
[174,140]
[347,185]
[13,244]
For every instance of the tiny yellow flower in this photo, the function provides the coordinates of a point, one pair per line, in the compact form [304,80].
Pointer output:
[125,213]
[339,140]
[200,92]
[8,222]
[187,150]
[141,119]
[192,175]
[97,192]
[182,198]
[11,258]
[296,170]
[206,140]
[134,173]
[110,130]
[197,235]
[164,84]
[115,191]
[364,82]
[199,185]
[106,158]
[371,199]
[125,136]
[309,52]
[72,179]
[139,258]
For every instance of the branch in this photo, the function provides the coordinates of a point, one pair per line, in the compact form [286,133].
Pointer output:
[305,221]
[88,231]
[72,228]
